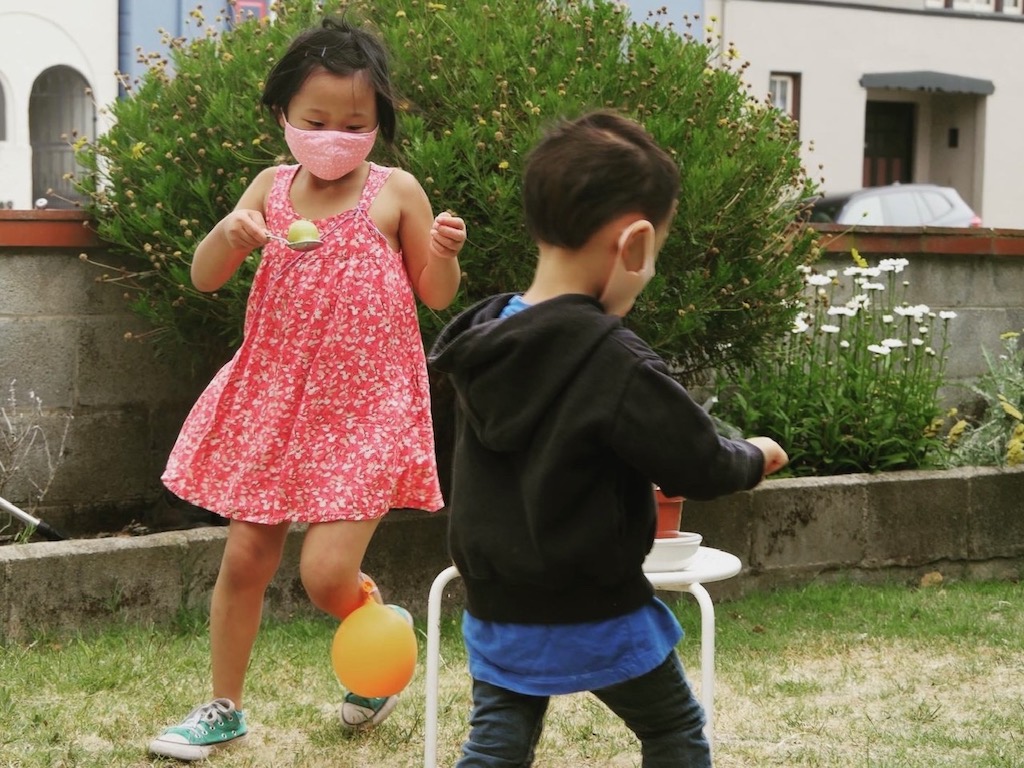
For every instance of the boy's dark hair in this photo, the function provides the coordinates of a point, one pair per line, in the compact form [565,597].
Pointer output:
[343,49]
[586,172]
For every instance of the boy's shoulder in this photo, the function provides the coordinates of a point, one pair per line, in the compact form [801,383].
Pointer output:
[582,320]
[634,346]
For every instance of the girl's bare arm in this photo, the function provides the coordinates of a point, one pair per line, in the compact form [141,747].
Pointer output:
[430,245]
[234,237]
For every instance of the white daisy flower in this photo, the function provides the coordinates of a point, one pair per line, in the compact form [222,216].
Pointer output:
[893,265]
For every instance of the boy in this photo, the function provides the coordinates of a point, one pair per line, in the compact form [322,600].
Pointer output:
[560,433]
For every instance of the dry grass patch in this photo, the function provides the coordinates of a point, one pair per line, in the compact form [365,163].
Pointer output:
[891,704]
[842,676]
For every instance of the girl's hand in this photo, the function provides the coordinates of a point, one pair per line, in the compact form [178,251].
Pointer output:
[226,246]
[447,236]
[244,230]
[234,237]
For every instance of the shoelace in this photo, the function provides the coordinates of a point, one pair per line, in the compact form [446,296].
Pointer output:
[205,718]
[361,701]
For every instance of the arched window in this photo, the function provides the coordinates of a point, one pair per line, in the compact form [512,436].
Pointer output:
[61,110]
[3,114]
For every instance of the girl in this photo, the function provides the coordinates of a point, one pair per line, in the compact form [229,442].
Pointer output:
[322,416]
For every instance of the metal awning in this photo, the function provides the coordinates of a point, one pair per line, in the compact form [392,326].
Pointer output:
[928,81]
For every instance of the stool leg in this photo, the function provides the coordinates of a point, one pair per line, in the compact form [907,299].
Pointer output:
[707,657]
[434,663]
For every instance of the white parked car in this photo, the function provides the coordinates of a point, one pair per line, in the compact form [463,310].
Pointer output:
[896,205]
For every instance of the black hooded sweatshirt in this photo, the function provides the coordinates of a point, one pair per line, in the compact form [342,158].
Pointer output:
[564,419]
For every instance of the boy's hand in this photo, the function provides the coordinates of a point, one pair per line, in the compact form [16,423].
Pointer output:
[775,458]
[447,236]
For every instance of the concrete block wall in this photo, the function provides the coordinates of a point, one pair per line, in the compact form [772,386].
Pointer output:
[62,337]
[985,293]
[77,585]
[62,340]
[963,523]
[967,522]
[977,274]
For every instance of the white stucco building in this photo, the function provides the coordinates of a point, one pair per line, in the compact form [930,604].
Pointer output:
[884,90]
[889,90]
[57,68]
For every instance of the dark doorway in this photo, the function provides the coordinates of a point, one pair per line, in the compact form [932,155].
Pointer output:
[888,143]
[60,111]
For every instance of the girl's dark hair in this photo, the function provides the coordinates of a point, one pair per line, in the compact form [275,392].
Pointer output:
[343,49]
[588,171]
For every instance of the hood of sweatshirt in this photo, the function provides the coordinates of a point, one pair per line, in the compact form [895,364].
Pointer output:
[507,372]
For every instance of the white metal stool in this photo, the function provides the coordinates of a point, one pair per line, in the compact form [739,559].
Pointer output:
[709,565]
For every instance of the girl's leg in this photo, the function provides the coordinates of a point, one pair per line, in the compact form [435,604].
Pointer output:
[251,558]
[332,554]
[504,728]
[662,711]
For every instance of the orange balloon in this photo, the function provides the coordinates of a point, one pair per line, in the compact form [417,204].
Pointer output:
[374,651]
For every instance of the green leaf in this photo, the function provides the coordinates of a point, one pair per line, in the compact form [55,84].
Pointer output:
[479,83]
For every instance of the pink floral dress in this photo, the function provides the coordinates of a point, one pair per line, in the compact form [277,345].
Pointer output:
[323,413]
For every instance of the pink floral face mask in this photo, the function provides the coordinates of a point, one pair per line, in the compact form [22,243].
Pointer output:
[328,155]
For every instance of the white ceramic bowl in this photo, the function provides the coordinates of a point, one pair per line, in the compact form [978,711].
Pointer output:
[673,553]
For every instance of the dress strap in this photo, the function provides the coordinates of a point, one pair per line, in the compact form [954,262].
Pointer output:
[278,202]
[378,175]
[284,174]
[278,211]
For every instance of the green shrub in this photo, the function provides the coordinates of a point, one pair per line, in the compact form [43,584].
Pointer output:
[994,437]
[854,386]
[480,80]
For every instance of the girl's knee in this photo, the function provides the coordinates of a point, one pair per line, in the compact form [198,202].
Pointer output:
[251,559]
[333,593]
[332,554]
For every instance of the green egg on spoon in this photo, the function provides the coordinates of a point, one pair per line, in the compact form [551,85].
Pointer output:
[302,236]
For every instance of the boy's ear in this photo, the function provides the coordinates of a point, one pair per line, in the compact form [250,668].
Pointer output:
[636,247]
[632,268]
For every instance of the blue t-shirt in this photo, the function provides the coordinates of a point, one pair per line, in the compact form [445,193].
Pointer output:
[551,659]
[515,304]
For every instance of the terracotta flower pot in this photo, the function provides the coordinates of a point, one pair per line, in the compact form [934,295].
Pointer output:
[670,514]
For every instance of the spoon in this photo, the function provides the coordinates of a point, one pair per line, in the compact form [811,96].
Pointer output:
[297,245]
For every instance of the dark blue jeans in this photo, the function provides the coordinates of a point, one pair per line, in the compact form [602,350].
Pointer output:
[658,707]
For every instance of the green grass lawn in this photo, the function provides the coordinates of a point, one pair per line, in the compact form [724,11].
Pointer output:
[841,675]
